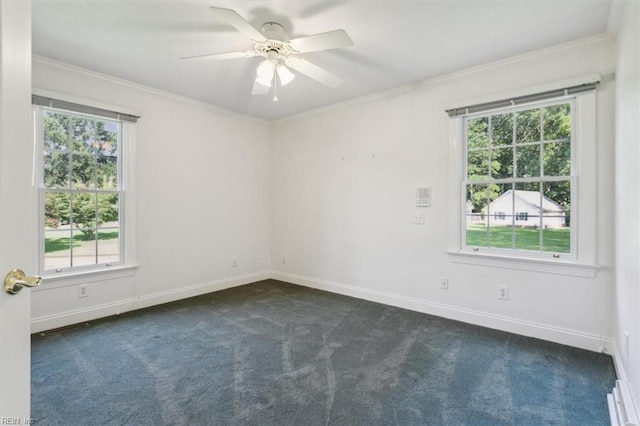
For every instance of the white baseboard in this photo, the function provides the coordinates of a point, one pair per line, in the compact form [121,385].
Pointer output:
[629,401]
[115,308]
[498,322]
[513,325]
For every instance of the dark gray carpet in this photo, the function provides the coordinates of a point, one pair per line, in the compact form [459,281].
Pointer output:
[272,353]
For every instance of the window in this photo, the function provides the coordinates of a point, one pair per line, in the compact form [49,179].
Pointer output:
[526,154]
[81,190]
[85,156]
[518,175]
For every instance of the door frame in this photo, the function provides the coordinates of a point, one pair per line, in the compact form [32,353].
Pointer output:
[18,207]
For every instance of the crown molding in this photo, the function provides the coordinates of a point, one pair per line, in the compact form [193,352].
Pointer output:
[587,43]
[615,15]
[153,91]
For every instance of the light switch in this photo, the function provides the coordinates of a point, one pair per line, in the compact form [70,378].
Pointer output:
[418,218]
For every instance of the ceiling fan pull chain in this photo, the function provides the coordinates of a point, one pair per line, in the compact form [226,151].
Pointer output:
[275,88]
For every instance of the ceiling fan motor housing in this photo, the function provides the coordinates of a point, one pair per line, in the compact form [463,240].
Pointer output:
[274,31]
[276,45]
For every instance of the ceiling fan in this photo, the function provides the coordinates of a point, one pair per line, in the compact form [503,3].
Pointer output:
[279,52]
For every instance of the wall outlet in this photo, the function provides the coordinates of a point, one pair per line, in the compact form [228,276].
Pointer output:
[234,262]
[83,290]
[444,283]
[503,292]
[284,258]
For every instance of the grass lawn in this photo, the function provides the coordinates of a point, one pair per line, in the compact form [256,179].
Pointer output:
[63,243]
[553,240]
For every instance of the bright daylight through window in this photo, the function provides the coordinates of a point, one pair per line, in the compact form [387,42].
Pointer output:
[519,179]
[80,190]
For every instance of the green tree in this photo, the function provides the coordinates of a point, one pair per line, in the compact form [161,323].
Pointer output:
[80,153]
[490,152]
[90,211]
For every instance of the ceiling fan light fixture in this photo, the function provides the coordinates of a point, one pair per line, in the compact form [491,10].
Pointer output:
[284,74]
[265,72]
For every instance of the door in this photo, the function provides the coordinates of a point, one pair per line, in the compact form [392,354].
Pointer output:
[17,207]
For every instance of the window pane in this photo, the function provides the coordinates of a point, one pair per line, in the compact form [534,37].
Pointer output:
[83,135]
[528,161]
[527,216]
[528,126]
[557,159]
[556,240]
[502,163]
[557,122]
[557,199]
[56,209]
[57,252]
[476,205]
[56,132]
[84,212]
[501,235]
[500,217]
[83,171]
[477,165]
[557,210]
[108,245]
[56,170]
[84,247]
[502,129]
[107,172]
[478,133]
[108,210]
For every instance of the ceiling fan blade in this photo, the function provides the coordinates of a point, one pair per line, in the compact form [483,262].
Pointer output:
[223,56]
[259,89]
[239,23]
[313,71]
[323,41]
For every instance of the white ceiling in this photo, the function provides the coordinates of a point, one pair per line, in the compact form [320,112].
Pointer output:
[396,43]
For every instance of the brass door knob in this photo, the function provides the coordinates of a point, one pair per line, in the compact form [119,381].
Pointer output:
[16,279]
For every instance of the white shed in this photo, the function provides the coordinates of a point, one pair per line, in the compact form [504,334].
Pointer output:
[524,208]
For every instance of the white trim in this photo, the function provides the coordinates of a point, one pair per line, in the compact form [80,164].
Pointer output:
[115,308]
[85,276]
[84,101]
[560,335]
[456,196]
[622,375]
[615,15]
[128,185]
[558,267]
[592,42]
[622,410]
[51,62]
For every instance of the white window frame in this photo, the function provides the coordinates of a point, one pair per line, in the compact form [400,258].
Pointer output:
[127,215]
[582,260]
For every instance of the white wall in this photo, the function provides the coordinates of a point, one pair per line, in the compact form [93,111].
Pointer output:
[627,233]
[334,189]
[203,196]
[344,182]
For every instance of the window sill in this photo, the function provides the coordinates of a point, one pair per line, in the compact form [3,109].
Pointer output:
[87,276]
[562,267]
